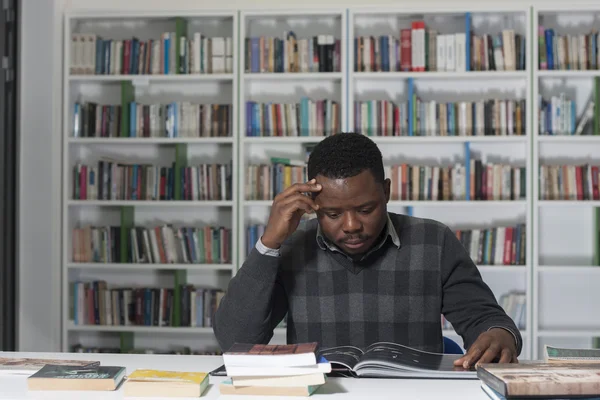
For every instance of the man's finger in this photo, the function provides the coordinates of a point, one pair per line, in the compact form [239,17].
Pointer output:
[490,354]
[291,200]
[505,356]
[310,186]
[471,357]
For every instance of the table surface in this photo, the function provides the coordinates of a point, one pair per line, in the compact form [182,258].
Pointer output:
[15,386]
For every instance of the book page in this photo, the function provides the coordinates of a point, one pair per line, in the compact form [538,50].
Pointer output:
[345,357]
[405,358]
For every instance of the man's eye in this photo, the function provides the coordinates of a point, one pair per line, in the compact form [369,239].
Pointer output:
[366,210]
[332,215]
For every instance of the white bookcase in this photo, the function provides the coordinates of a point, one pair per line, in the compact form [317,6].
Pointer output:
[283,88]
[453,86]
[565,279]
[560,234]
[219,87]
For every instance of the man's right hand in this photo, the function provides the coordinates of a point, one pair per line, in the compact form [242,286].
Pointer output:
[287,209]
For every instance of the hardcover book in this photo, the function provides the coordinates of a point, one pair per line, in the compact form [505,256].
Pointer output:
[61,377]
[556,354]
[391,360]
[541,380]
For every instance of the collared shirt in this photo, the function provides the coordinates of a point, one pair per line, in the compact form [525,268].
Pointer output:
[325,243]
[390,233]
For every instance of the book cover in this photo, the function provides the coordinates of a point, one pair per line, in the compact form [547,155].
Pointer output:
[9,365]
[556,354]
[289,355]
[62,377]
[541,380]
[158,383]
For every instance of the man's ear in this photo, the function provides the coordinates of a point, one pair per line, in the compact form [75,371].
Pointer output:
[387,184]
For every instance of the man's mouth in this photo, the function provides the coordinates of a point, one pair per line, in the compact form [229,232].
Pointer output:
[355,243]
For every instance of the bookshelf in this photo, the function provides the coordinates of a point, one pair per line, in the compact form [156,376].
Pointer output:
[154,93]
[424,141]
[298,92]
[561,235]
[566,235]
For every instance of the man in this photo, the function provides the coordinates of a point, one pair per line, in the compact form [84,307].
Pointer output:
[357,274]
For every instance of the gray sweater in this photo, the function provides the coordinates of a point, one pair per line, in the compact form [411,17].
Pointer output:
[396,294]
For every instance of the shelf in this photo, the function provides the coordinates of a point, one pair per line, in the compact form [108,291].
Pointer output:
[442,75]
[568,203]
[290,76]
[457,203]
[502,268]
[150,203]
[282,139]
[447,139]
[146,79]
[569,138]
[127,266]
[569,269]
[568,73]
[419,203]
[569,332]
[138,329]
[134,140]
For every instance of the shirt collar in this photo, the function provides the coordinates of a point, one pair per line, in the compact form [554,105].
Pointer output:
[325,244]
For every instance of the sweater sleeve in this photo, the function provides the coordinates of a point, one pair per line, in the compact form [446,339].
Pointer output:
[254,303]
[467,301]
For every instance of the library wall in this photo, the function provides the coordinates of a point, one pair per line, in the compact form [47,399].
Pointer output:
[40,147]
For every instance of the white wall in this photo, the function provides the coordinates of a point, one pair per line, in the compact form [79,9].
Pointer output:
[39,177]
[40,145]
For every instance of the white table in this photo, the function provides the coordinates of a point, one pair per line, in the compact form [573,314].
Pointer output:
[15,387]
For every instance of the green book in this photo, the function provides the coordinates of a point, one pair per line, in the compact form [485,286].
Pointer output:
[61,377]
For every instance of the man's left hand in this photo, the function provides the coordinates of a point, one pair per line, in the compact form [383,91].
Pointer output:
[490,345]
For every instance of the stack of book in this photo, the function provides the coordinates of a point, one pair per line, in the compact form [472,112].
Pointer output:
[281,370]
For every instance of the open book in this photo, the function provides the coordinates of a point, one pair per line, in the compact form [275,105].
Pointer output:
[390,360]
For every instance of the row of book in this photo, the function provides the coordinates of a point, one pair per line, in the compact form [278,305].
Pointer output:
[500,245]
[514,304]
[431,118]
[320,53]
[176,119]
[163,244]
[264,181]
[80,348]
[568,51]
[569,182]
[420,49]
[168,54]
[558,116]
[113,180]
[487,181]
[93,303]
[306,118]
[409,182]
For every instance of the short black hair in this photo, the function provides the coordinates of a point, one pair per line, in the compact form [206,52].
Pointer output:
[345,155]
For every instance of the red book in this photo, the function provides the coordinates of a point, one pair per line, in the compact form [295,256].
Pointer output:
[405,49]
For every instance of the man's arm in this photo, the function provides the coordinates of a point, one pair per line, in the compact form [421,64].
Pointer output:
[468,302]
[255,301]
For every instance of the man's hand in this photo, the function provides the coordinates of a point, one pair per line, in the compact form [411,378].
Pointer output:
[490,345]
[286,211]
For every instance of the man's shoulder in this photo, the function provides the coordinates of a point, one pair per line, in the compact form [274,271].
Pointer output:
[415,230]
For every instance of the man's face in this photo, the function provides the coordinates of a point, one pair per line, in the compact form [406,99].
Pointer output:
[352,211]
